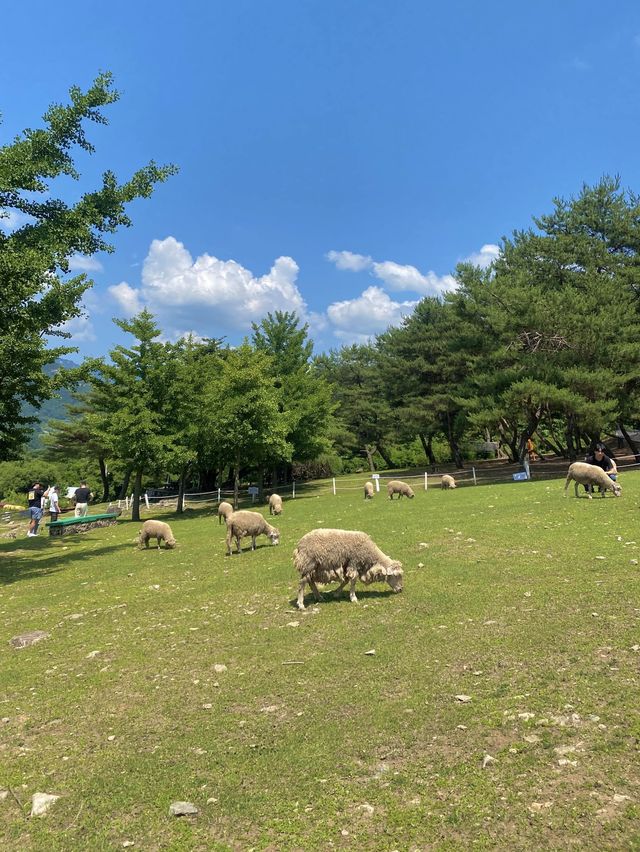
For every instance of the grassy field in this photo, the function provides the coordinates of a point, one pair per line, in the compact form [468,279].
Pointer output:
[523,601]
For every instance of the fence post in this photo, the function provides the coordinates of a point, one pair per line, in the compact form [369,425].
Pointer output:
[218,495]
[146,499]
[183,501]
[474,476]
[294,490]
[334,486]
[426,482]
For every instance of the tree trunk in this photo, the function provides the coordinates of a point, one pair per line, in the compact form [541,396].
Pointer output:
[453,444]
[125,485]
[105,480]
[509,439]
[236,482]
[428,449]
[370,450]
[260,482]
[630,442]
[137,488]
[571,450]
[385,457]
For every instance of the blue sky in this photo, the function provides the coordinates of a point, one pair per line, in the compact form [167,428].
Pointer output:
[337,158]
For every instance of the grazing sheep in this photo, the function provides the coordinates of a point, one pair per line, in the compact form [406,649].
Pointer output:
[158,530]
[275,504]
[448,482]
[399,488]
[224,510]
[590,475]
[243,523]
[368,491]
[325,555]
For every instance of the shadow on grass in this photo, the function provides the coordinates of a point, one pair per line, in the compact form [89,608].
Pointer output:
[328,597]
[27,558]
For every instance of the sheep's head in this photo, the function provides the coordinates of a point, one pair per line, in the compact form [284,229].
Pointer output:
[617,489]
[170,543]
[394,575]
[274,535]
[410,494]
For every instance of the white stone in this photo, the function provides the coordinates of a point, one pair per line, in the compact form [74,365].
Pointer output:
[182,809]
[41,802]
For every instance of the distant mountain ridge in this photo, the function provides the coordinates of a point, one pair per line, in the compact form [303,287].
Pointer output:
[52,409]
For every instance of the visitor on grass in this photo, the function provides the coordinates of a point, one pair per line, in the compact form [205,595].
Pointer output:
[34,498]
[600,458]
[54,504]
[82,497]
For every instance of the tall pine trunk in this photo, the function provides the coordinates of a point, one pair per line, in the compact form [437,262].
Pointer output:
[236,482]
[105,480]
[125,484]
[370,450]
[137,488]
[428,449]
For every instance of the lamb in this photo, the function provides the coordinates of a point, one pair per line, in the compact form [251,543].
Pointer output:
[447,481]
[590,475]
[275,504]
[325,555]
[158,530]
[399,488]
[368,491]
[243,523]
[224,510]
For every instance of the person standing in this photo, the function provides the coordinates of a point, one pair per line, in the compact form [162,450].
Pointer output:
[54,505]
[34,499]
[82,497]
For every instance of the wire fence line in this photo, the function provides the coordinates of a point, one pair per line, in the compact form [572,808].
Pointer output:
[464,477]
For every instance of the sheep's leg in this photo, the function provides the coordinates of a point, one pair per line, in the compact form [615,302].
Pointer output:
[238,537]
[158,540]
[300,601]
[229,537]
[337,591]
[314,589]
[352,590]
[253,542]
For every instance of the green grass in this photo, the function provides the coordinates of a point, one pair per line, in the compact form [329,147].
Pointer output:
[511,607]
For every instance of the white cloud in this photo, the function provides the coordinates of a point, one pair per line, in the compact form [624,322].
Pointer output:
[398,277]
[485,257]
[11,220]
[357,320]
[349,260]
[209,294]
[127,298]
[394,275]
[84,263]
[81,330]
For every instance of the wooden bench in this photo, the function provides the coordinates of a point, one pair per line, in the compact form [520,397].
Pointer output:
[68,526]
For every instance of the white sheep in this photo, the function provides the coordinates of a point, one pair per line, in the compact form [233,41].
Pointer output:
[224,510]
[447,481]
[368,491]
[158,530]
[590,475]
[395,486]
[243,523]
[275,504]
[345,556]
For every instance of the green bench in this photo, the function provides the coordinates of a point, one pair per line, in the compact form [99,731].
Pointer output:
[83,524]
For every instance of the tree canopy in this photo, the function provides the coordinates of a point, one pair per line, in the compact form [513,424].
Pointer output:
[38,294]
